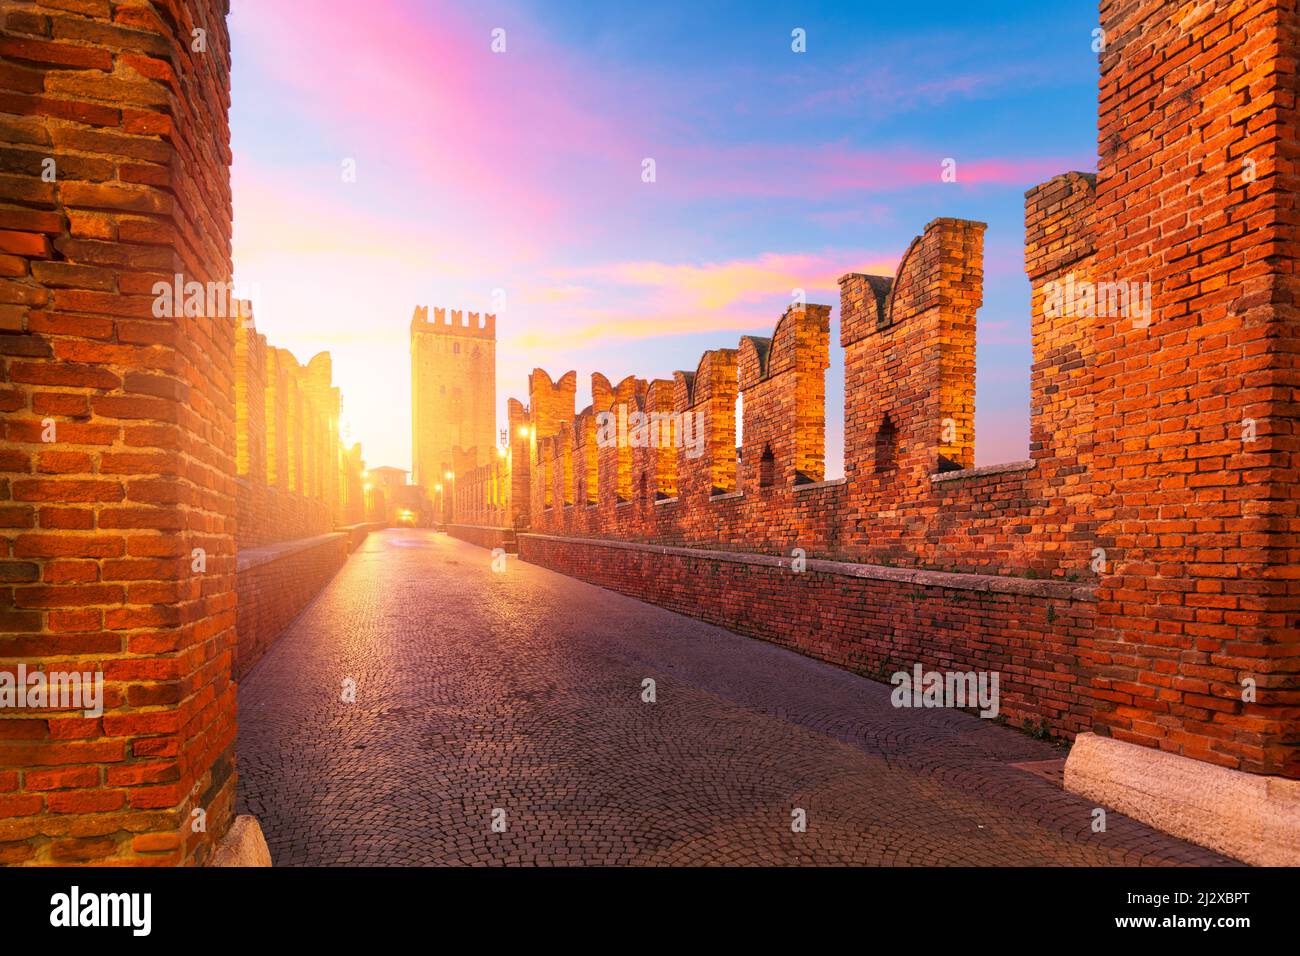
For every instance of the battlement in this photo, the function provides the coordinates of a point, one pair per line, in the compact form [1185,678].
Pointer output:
[296,480]
[453,322]
[911,495]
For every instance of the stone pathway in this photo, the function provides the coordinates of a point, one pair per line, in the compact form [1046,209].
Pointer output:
[518,695]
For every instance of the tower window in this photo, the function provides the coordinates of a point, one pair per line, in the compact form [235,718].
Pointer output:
[455,348]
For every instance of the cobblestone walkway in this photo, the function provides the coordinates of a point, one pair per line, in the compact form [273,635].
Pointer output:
[521,692]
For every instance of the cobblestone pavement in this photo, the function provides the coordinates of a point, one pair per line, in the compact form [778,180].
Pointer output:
[521,691]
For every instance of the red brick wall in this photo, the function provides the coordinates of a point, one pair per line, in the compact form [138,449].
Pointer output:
[275,587]
[874,625]
[911,501]
[1196,193]
[291,467]
[485,536]
[1141,480]
[100,523]
[268,514]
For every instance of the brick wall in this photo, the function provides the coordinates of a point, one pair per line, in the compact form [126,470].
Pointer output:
[294,478]
[1196,194]
[275,583]
[1020,535]
[910,496]
[485,536]
[872,620]
[119,428]
[1163,451]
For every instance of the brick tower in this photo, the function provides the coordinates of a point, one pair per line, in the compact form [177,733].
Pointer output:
[453,390]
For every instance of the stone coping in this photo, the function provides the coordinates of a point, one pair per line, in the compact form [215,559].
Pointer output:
[991,583]
[1249,816]
[368,525]
[667,501]
[983,471]
[727,495]
[255,557]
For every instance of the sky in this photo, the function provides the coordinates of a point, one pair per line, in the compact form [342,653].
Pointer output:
[517,178]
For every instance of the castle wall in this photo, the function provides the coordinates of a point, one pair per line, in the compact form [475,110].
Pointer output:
[1139,491]
[290,465]
[872,620]
[910,496]
[914,556]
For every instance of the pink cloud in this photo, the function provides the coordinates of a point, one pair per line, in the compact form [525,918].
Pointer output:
[425,104]
[679,298]
[717,285]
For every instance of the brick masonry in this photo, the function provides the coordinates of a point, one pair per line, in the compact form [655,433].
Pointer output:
[901,552]
[869,619]
[910,496]
[485,536]
[102,520]
[453,393]
[275,583]
[1197,185]
[1142,487]
[131,446]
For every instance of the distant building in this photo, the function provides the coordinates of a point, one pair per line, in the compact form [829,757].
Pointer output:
[389,477]
[453,392]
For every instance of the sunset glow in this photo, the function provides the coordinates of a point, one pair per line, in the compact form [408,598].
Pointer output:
[521,172]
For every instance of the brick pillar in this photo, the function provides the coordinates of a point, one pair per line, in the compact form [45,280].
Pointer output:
[117,474]
[333,490]
[660,402]
[909,367]
[1060,243]
[520,465]
[628,398]
[292,421]
[250,408]
[713,391]
[1196,196]
[277,442]
[812,358]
